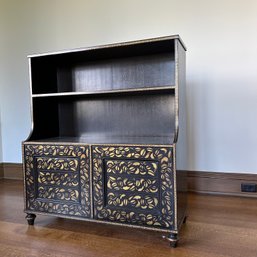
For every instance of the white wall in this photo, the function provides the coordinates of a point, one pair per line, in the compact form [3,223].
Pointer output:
[2,69]
[1,153]
[221,65]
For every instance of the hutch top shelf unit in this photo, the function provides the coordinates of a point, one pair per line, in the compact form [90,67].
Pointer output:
[118,93]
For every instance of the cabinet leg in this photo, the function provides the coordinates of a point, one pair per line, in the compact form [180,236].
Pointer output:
[30,218]
[185,220]
[173,239]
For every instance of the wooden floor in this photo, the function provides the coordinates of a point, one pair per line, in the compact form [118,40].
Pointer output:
[217,226]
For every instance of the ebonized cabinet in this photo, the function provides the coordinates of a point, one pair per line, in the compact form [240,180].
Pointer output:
[104,144]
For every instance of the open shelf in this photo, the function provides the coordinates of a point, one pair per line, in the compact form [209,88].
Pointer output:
[105,118]
[117,68]
[88,95]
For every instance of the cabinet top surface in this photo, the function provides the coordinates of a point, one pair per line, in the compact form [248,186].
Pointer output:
[142,41]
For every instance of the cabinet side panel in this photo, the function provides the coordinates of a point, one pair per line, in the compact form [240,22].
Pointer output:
[181,179]
[182,154]
[181,146]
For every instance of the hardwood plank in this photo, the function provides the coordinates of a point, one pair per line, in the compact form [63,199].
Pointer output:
[218,226]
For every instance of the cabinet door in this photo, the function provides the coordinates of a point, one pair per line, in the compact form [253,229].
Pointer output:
[57,179]
[134,185]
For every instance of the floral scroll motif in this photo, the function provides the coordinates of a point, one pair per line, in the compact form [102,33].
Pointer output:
[143,202]
[134,185]
[132,167]
[56,193]
[57,179]
[67,164]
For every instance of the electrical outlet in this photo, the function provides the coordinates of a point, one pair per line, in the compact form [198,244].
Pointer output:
[250,188]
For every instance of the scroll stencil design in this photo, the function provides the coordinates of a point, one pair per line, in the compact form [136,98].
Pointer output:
[57,179]
[134,185]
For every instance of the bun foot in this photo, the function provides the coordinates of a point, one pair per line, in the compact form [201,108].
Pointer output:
[30,218]
[173,239]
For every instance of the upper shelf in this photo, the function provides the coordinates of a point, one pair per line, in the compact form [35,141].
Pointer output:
[125,67]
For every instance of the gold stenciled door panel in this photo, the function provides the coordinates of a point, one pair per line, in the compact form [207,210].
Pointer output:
[57,179]
[133,185]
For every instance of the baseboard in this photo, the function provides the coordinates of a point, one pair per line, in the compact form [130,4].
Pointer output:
[11,170]
[198,181]
[1,171]
[220,183]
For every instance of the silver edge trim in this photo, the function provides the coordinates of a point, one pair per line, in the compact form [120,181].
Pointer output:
[176,92]
[175,189]
[106,91]
[111,45]
[23,173]
[31,103]
[91,181]
[82,143]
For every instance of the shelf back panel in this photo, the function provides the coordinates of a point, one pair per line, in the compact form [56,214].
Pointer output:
[127,116]
[115,74]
